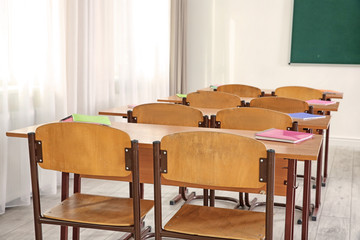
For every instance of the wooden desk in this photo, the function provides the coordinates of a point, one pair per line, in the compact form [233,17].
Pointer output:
[147,133]
[176,99]
[322,123]
[268,92]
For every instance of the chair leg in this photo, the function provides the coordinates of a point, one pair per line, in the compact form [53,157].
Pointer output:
[38,231]
[76,233]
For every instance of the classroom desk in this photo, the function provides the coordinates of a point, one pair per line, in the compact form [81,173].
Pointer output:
[269,92]
[322,123]
[176,99]
[315,124]
[317,107]
[306,151]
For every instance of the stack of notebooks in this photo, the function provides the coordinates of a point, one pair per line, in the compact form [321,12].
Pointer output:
[305,116]
[279,135]
[320,102]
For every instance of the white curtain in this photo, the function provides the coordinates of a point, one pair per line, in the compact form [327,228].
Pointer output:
[59,57]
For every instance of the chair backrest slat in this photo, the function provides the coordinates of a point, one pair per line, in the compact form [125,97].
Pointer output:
[281,104]
[298,92]
[206,99]
[256,119]
[167,114]
[240,90]
[83,148]
[214,159]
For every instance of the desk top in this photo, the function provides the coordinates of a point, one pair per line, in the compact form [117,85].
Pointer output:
[268,92]
[317,107]
[322,123]
[147,133]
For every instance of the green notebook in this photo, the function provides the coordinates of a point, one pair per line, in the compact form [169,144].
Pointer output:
[181,95]
[87,118]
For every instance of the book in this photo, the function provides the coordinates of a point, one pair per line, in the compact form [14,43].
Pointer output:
[320,102]
[181,95]
[279,135]
[87,119]
[214,86]
[305,116]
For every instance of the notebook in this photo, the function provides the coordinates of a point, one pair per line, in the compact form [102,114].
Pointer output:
[305,116]
[181,95]
[279,135]
[320,102]
[87,119]
[214,86]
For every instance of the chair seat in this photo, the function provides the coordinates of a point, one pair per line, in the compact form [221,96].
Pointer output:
[218,222]
[96,209]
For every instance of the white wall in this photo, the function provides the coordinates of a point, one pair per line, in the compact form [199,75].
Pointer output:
[248,42]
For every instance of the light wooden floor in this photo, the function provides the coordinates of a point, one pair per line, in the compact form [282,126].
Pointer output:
[339,214]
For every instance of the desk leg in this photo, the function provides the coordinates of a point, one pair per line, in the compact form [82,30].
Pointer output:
[290,199]
[326,155]
[318,186]
[306,201]
[64,195]
[77,189]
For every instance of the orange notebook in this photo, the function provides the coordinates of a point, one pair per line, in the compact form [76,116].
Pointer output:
[279,135]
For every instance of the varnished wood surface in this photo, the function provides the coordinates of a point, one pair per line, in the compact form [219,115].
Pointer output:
[281,104]
[258,119]
[299,92]
[240,90]
[167,114]
[147,133]
[268,92]
[83,148]
[218,222]
[213,99]
[222,154]
[95,209]
[331,107]
[322,123]
[176,99]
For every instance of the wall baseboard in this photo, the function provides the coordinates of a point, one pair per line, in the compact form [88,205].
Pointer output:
[342,141]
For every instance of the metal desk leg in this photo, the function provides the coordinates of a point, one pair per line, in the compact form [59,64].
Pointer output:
[290,199]
[318,186]
[64,195]
[306,201]
[326,156]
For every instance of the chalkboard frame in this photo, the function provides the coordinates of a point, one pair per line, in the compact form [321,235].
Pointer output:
[325,32]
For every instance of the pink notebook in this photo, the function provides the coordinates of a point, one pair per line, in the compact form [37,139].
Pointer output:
[283,135]
[320,102]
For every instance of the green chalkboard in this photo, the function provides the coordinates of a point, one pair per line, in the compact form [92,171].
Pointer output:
[326,31]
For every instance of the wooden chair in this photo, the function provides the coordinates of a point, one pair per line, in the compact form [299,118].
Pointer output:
[281,104]
[168,114]
[88,149]
[257,119]
[216,161]
[241,90]
[207,99]
[298,92]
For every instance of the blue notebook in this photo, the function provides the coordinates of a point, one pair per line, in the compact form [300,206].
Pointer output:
[305,116]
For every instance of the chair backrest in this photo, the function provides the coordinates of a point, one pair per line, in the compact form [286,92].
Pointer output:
[281,104]
[256,119]
[298,92]
[240,90]
[83,148]
[216,160]
[167,114]
[207,99]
